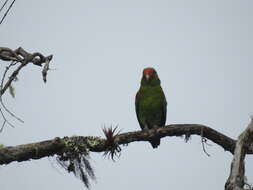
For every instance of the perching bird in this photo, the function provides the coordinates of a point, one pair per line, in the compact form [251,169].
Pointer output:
[150,103]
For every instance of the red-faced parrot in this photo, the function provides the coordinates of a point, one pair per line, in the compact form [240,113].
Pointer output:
[150,103]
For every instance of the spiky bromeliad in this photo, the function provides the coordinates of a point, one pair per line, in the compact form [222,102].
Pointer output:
[150,103]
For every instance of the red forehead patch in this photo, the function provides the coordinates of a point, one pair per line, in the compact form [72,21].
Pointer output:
[149,70]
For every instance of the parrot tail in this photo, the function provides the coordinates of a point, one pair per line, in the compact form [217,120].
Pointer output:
[155,142]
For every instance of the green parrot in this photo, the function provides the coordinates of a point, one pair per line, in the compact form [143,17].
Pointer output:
[150,103]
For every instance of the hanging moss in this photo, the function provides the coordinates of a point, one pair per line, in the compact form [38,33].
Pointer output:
[75,157]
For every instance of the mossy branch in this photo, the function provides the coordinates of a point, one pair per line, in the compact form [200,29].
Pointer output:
[96,144]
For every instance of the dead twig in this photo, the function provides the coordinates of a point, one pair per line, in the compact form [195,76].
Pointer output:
[13,63]
[5,121]
[4,5]
[203,142]
[23,58]
[5,14]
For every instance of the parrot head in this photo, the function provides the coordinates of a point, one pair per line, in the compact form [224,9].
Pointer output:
[150,77]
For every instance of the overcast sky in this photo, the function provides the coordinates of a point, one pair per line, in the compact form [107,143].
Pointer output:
[202,51]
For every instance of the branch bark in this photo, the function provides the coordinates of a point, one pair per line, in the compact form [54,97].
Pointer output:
[96,144]
[236,178]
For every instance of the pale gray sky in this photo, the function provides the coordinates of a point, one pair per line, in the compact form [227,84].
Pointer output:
[202,51]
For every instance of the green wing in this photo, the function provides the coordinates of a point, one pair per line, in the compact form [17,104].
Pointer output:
[164,110]
[137,109]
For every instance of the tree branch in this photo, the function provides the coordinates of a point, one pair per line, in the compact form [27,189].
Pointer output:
[57,146]
[5,14]
[19,58]
[23,57]
[236,177]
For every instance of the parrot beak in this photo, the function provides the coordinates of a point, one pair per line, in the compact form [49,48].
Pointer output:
[147,76]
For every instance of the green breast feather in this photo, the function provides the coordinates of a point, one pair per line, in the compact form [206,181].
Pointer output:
[151,106]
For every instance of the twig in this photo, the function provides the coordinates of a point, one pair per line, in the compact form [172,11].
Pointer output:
[23,57]
[5,120]
[5,14]
[203,141]
[7,110]
[2,90]
[3,5]
[2,126]
[11,78]
[5,72]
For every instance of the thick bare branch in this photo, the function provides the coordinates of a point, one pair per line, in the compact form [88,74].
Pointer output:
[97,144]
[236,178]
